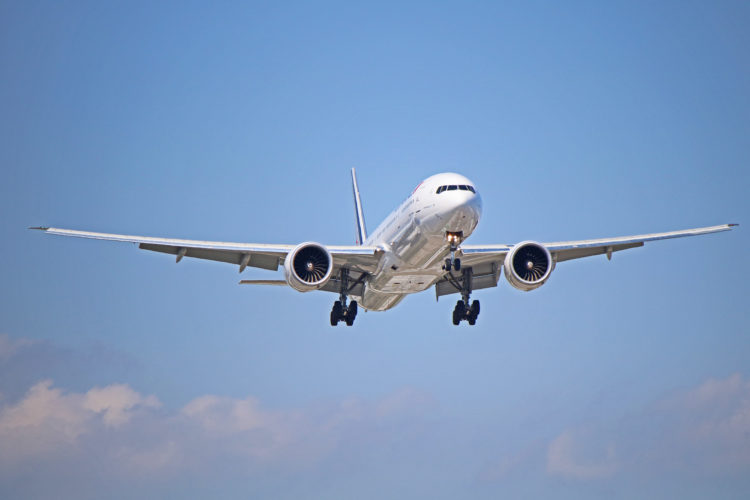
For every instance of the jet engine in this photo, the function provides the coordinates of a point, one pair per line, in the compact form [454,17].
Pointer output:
[308,267]
[528,265]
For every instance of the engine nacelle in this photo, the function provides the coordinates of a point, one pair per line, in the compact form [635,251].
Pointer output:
[308,267]
[528,265]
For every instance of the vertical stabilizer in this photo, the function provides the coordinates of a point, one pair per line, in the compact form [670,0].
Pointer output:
[360,218]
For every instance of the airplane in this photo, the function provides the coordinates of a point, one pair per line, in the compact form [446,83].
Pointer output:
[418,246]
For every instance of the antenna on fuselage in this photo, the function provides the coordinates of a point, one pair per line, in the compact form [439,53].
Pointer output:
[359,216]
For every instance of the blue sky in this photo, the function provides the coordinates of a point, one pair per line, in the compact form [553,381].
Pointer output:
[240,122]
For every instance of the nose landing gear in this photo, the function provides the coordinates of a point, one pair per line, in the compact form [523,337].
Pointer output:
[340,311]
[454,239]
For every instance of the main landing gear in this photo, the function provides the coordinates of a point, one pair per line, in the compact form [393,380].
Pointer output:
[464,311]
[340,311]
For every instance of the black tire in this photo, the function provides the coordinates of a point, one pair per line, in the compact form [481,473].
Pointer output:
[459,312]
[460,308]
[336,313]
[351,313]
[475,308]
[447,266]
[472,320]
[457,264]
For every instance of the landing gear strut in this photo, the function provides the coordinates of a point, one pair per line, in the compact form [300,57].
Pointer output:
[464,311]
[340,311]
[452,263]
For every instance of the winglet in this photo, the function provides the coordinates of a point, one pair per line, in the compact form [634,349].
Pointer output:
[359,216]
[39,228]
[732,225]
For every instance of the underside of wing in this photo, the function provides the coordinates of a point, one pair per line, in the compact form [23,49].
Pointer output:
[568,250]
[264,256]
[486,261]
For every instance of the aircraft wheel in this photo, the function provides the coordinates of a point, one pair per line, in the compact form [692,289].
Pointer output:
[459,312]
[475,308]
[336,313]
[456,318]
[473,313]
[457,264]
[461,307]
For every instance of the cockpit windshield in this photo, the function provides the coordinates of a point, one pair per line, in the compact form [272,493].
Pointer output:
[455,187]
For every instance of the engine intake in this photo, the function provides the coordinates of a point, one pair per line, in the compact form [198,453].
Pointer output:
[308,267]
[528,265]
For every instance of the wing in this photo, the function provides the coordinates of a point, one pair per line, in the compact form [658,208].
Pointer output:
[360,260]
[486,260]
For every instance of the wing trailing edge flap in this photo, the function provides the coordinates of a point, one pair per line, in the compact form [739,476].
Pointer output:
[264,282]
[577,253]
[242,259]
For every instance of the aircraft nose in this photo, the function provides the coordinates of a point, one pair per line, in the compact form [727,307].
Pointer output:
[469,204]
[475,205]
[465,207]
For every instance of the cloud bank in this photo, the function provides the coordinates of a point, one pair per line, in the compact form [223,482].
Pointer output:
[133,433]
[115,433]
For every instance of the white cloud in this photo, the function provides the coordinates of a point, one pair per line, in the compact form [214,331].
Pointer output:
[130,432]
[702,432]
[712,423]
[246,429]
[47,419]
[115,403]
[572,458]
[9,346]
[226,415]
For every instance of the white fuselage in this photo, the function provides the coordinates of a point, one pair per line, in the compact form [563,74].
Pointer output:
[414,238]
